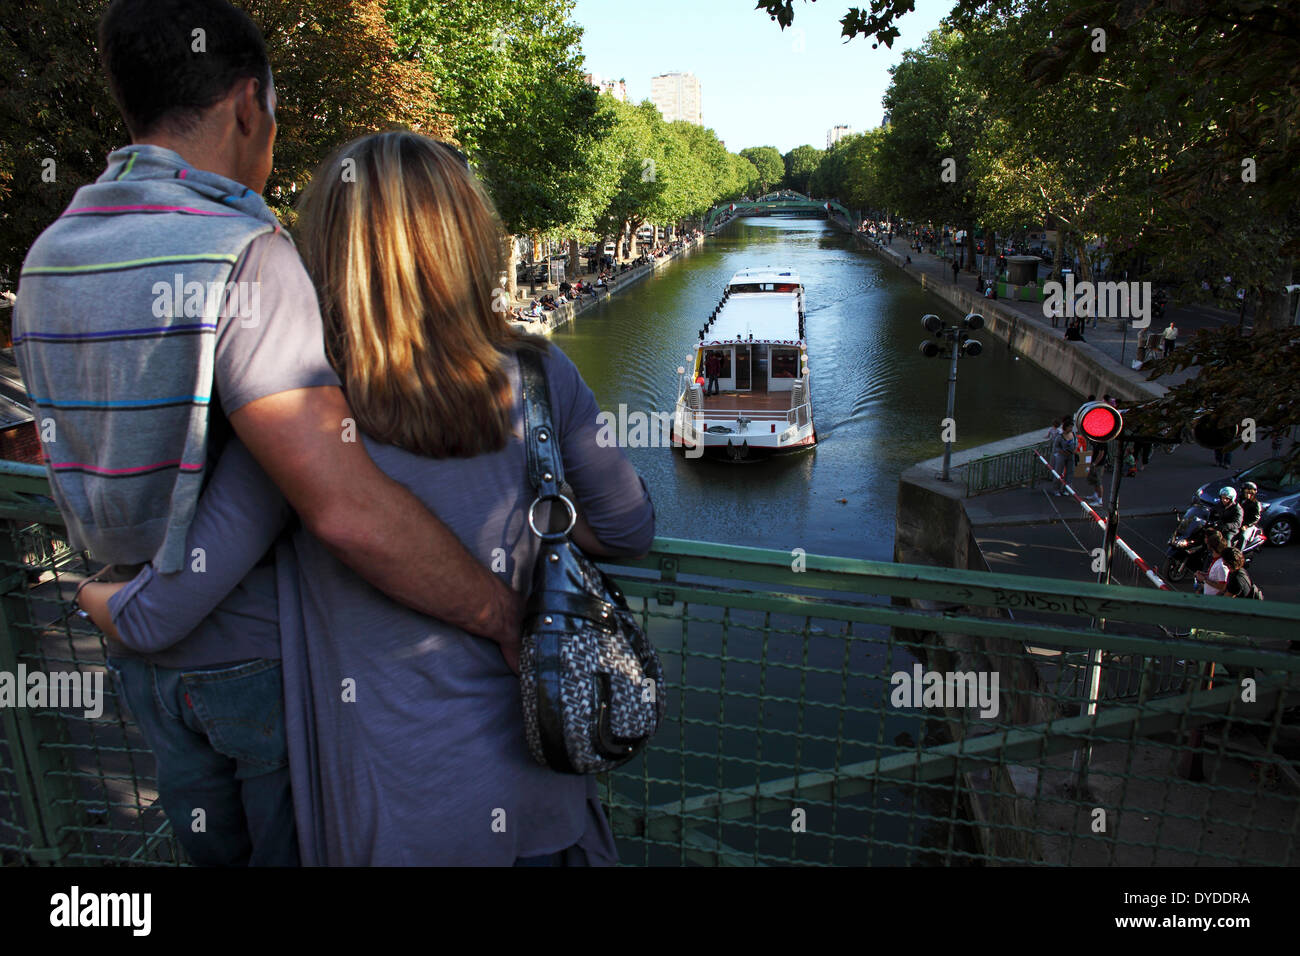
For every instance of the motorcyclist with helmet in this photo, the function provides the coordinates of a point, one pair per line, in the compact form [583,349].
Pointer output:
[1251,509]
[1226,515]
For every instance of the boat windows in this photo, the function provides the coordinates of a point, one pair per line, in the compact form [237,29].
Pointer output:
[785,363]
[764,287]
[725,355]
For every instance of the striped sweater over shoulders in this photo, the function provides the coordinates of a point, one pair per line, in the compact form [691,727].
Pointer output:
[114,329]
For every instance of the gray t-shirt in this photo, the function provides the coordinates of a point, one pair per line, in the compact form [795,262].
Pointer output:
[406,741]
[280,347]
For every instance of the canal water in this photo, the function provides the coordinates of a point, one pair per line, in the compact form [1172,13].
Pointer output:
[877,401]
[755,698]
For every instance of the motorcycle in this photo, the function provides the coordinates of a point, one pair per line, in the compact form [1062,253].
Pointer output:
[1181,559]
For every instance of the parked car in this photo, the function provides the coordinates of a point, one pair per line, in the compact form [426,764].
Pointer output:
[1279,489]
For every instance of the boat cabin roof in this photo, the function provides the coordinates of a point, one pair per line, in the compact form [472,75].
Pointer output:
[768,316]
[773,275]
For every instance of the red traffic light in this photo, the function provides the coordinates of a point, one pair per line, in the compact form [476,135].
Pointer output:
[1099,422]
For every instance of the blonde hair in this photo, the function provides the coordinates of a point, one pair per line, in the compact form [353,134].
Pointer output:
[407,255]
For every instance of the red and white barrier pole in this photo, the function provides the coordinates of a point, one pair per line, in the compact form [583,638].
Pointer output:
[1101,523]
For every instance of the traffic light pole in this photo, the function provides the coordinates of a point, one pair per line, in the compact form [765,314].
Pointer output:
[952,405]
[1083,756]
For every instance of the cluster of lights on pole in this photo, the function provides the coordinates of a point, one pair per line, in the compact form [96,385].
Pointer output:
[960,343]
[956,334]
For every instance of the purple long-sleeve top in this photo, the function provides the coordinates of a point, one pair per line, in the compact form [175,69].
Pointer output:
[406,740]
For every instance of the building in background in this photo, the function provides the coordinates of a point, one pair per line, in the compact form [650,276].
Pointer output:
[615,88]
[837,133]
[678,97]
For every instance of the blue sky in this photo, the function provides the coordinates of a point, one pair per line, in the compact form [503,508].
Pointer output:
[761,86]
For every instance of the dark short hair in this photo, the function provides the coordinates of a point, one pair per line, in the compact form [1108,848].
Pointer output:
[158,78]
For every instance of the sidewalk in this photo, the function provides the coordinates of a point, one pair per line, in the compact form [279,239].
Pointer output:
[1107,340]
[554,319]
[1164,485]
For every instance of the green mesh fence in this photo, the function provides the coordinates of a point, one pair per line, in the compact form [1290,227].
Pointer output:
[794,734]
[1018,468]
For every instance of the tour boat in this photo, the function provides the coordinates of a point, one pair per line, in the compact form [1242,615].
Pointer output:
[763,405]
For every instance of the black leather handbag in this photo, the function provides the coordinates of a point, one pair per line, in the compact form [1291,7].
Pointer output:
[590,680]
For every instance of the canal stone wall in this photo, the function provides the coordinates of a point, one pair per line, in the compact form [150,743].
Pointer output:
[1077,365]
[564,313]
[934,529]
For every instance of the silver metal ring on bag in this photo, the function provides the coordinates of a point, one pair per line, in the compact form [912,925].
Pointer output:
[553,535]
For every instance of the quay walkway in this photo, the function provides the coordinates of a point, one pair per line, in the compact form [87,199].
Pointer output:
[1106,355]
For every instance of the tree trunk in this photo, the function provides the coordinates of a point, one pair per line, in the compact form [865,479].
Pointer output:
[1058,254]
[1274,311]
[1085,264]
[575,264]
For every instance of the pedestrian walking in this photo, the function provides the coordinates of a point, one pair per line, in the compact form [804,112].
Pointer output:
[1094,481]
[1170,337]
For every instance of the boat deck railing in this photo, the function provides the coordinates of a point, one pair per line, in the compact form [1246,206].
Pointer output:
[751,414]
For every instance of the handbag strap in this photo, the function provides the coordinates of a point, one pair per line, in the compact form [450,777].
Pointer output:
[545,466]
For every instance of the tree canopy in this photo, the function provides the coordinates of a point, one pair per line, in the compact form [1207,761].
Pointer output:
[769,164]
[336,77]
[1158,136]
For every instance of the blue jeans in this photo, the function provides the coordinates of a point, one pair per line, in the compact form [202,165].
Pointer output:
[218,736]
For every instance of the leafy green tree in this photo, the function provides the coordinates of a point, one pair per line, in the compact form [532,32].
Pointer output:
[635,163]
[1220,178]
[509,74]
[800,164]
[336,77]
[744,177]
[1165,127]
[1241,379]
[935,116]
[768,162]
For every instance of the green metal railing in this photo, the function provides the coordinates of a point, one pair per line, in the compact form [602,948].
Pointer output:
[1013,469]
[788,739]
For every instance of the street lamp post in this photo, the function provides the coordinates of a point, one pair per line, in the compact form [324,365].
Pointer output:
[959,344]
